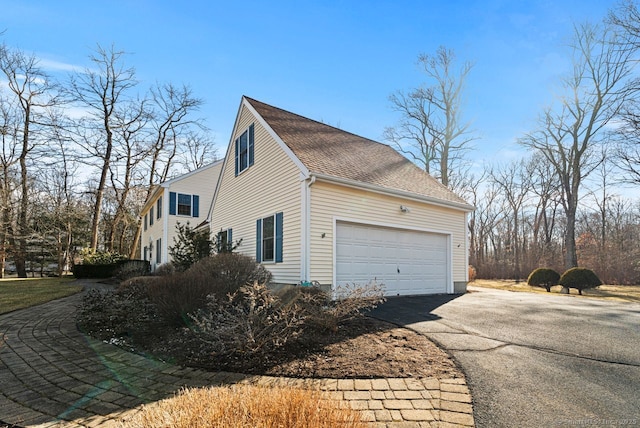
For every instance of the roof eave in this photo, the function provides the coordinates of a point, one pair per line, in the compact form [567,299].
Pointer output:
[159,188]
[394,192]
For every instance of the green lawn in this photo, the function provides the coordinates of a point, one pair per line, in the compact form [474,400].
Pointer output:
[22,293]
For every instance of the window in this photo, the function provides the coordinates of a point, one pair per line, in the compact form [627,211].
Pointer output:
[159,207]
[151,217]
[146,253]
[159,250]
[244,150]
[269,239]
[145,222]
[224,242]
[184,204]
[223,236]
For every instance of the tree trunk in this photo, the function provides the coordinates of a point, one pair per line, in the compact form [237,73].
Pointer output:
[97,210]
[21,247]
[134,254]
[571,257]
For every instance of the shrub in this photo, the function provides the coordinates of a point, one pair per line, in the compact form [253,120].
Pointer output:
[165,269]
[135,288]
[261,407]
[186,292]
[127,269]
[190,245]
[352,301]
[322,313]
[98,257]
[94,271]
[123,313]
[252,321]
[543,277]
[229,272]
[580,279]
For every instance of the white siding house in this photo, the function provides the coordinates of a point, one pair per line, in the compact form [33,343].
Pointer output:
[315,203]
[184,199]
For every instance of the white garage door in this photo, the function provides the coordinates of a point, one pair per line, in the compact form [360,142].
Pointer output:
[406,262]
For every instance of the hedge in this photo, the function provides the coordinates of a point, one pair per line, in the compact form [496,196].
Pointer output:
[107,270]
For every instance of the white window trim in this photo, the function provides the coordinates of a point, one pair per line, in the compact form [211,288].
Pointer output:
[178,204]
[240,169]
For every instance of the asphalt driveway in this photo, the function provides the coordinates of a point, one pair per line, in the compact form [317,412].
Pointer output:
[535,360]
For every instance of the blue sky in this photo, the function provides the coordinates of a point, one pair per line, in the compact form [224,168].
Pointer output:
[335,61]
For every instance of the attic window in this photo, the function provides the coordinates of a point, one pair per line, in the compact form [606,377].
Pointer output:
[244,150]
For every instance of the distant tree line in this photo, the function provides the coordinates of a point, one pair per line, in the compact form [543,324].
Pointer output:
[81,153]
[560,207]
[519,225]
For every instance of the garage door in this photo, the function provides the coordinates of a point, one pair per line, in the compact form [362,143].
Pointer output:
[406,262]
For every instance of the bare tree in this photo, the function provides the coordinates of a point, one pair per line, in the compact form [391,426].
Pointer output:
[100,90]
[626,17]
[431,130]
[32,92]
[546,192]
[514,182]
[199,150]
[594,93]
[131,121]
[483,225]
[627,153]
[8,179]
[171,126]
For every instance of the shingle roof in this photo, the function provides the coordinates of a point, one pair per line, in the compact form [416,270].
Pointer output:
[330,151]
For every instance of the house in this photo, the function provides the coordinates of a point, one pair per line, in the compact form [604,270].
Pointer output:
[183,199]
[315,203]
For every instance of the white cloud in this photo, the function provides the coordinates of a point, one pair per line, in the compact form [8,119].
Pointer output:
[52,65]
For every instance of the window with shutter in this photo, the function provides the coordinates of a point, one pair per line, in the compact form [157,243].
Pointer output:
[244,149]
[269,238]
[184,204]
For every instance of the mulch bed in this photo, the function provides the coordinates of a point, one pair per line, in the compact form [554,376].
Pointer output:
[361,348]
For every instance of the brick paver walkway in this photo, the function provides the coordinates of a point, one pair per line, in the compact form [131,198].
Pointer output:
[53,375]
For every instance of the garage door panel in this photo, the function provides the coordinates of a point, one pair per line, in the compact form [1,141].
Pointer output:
[406,262]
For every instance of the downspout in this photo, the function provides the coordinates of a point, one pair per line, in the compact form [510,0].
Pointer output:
[307,229]
[165,226]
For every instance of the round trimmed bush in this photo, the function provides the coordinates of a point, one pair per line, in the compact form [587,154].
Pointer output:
[580,279]
[543,277]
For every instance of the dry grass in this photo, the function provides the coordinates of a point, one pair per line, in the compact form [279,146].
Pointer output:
[628,293]
[241,406]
